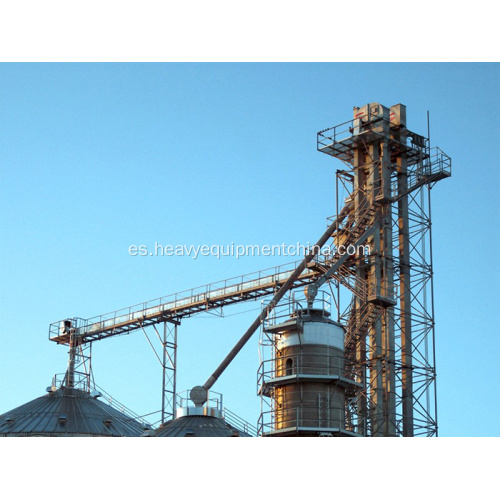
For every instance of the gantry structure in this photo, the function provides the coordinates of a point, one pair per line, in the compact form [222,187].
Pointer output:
[388,173]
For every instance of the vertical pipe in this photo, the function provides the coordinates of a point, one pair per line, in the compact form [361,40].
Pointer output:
[387,289]
[174,388]
[164,367]
[374,275]
[359,198]
[70,375]
[337,235]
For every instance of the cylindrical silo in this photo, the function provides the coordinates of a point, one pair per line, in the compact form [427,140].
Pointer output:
[203,420]
[306,377]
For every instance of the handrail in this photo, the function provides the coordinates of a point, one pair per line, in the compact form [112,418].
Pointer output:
[314,364]
[229,288]
[315,417]
[238,422]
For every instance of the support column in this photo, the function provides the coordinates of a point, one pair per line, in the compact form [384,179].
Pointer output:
[405,299]
[169,367]
[375,277]
[387,291]
[360,353]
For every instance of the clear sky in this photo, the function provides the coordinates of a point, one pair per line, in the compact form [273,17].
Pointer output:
[95,158]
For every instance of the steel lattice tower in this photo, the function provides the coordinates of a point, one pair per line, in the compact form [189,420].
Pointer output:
[390,318]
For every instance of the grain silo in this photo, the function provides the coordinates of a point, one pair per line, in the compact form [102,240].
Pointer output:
[370,373]
[305,378]
[203,419]
[68,412]
[70,408]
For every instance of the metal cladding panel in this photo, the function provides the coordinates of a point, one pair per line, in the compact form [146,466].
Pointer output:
[315,333]
[198,426]
[68,412]
[398,114]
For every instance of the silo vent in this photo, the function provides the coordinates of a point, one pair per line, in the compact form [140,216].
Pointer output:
[68,412]
[201,416]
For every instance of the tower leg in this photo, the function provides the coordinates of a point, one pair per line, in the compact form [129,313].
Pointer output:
[169,367]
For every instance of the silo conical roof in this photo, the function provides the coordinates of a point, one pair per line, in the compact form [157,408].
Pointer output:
[198,426]
[68,412]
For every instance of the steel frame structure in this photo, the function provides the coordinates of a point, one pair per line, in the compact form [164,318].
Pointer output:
[390,318]
[168,362]
[79,373]
[169,369]
[168,311]
[389,176]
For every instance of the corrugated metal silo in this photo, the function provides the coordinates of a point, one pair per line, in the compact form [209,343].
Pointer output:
[209,420]
[306,377]
[68,412]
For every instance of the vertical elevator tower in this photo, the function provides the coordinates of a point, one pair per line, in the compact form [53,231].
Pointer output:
[386,362]
[389,319]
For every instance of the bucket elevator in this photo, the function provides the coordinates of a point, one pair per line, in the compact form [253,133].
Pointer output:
[370,370]
[390,317]
[386,371]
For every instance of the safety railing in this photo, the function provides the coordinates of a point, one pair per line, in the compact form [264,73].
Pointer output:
[215,401]
[382,292]
[81,382]
[341,140]
[232,287]
[295,306]
[279,368]
[326,418]
[435,166]
[117,405]
[439,162]
[240,424]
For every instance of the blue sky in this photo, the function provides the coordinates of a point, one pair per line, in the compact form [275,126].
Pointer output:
[95,158]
